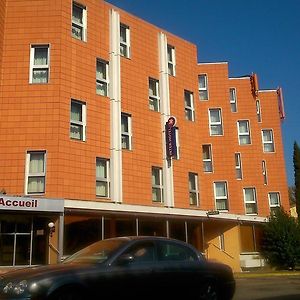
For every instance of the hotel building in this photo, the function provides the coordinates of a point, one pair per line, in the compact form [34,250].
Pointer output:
[109,126]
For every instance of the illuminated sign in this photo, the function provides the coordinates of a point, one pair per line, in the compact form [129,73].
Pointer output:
[170,130]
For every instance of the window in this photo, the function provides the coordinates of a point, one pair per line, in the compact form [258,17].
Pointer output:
[238,166]
[171,60]
[258,111]
[126,131]
[78,120]
[274,201]
[222,241]
[193,189]
[35,172]
[268,141]
[244,132]
[170,251]
[141,253]
[207,158]
[189,106]
[215,121]
[124,40]
[157,184]
[203,87]
[221,197]
[79,21]
[102,77]
[233,104]
[154,99]
[39,64]
[250,201]
[102,177]
[264,171]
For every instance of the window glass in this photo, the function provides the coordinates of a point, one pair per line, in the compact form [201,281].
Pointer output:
[79,22]
[36,172]
[102,178]
[39,64]
[202,86]
[102,78]
[157,185]
[215,121]
[173,252]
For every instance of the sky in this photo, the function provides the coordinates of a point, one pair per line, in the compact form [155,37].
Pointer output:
[259,36]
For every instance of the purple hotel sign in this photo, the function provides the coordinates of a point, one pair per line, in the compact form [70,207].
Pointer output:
[170,131]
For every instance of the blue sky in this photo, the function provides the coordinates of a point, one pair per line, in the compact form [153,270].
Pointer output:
[258,36]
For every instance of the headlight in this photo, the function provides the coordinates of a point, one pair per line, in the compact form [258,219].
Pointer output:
[17,289]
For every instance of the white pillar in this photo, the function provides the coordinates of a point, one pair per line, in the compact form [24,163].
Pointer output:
[165,114]
[116,193]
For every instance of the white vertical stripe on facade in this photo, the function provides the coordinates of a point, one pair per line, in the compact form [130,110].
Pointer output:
[165,114]
[115,109]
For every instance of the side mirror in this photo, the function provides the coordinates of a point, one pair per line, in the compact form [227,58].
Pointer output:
[125,259]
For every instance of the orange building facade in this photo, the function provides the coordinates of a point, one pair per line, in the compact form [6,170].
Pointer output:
[109,126]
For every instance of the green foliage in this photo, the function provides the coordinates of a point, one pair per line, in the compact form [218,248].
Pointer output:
[296,160]
[281,241]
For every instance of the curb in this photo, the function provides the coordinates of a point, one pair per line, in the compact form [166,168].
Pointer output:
[266,274]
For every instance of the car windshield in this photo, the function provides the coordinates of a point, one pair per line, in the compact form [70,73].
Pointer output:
[95,253]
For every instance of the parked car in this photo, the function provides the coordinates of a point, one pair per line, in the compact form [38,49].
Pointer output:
[130,267]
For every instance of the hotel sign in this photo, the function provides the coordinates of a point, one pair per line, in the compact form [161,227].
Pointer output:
[170,130]
[31,204]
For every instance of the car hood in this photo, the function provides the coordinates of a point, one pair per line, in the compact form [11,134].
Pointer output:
[47,271]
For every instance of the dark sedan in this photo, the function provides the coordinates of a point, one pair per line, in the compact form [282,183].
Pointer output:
[130,267]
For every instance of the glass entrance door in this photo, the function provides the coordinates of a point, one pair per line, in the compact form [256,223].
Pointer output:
[23,240]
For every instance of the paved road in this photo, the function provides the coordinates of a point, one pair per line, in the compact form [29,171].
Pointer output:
[268,288]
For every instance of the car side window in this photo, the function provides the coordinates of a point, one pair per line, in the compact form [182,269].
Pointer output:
[142,252]
[175,252]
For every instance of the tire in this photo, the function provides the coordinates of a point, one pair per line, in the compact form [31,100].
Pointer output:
[208,291]
[68,293]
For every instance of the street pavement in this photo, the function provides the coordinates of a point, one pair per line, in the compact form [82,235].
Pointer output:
[268,286]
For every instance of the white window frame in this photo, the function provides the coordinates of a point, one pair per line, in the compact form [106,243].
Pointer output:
[233,100]
[193,189]
[126,135]
[125,45]
[171,60]
[221,197]
[268,143]
[203,90]
[34,67]
[81,26]
[244,134]
[189,105]
[154,98]
[238,166]
[258,111]
[218,124]
[104,81]
[79,123]
[273,207]
[105,179]
[252,202]
[207,162]
[29,174]
[264,171]
[157,187]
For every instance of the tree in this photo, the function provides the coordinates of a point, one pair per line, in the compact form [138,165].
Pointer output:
[296,160]
[281,240]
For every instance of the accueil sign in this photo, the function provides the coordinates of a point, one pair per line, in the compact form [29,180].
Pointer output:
[32,204]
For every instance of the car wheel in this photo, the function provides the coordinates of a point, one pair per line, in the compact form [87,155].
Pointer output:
[67,293]
[208,292]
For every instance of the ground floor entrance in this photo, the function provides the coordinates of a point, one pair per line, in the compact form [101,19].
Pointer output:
[23,240]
